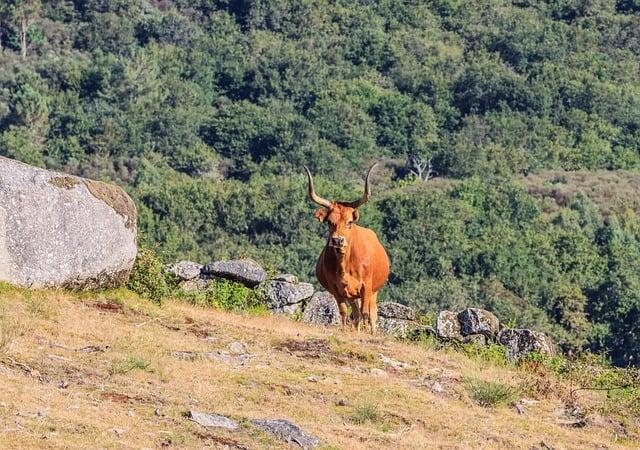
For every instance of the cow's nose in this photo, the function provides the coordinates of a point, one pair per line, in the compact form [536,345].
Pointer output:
[338,241]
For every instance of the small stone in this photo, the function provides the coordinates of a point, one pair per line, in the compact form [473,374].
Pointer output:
[393,362]
[288,432]
[438,388]
[237,348]
[312,379]
[185,270]
[342,402]
[212,420]
[63,384]
[158,413]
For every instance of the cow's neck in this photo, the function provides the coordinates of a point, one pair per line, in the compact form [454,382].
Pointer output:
[342,260]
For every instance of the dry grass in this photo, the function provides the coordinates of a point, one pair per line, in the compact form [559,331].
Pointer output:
[611,191]
[97,371]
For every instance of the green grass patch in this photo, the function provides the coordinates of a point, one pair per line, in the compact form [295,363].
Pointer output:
[133,362]
[366,413]
[490,394]
[226,295]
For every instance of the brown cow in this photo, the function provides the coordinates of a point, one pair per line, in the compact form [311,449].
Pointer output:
[353,265]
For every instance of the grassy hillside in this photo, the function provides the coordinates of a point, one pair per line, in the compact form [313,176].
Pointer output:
[205,111]
[109,370]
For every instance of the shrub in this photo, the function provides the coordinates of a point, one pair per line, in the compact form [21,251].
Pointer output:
[366,413]
[490,393]
[148,278]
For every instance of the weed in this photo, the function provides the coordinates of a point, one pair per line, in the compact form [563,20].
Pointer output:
[366,413]
[490,393]
[491,353]
[129,364]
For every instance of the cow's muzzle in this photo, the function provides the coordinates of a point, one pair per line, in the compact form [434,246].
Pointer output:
[338,242]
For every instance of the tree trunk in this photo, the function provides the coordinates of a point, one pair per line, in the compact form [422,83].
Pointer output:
[23,37]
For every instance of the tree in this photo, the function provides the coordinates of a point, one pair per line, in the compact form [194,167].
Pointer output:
[24,12]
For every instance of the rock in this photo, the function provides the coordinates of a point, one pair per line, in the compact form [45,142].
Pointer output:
[245,271]
[63,231]
[478,339]
[185,270]
[237,348]
[286,277]
[396,327]
[520,341]
[322,309]
[285,297]
[393,362]
[478,321]
[212,420]
[448,326]
[393,310]
[288,432]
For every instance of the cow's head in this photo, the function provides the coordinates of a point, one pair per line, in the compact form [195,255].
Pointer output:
[340,216]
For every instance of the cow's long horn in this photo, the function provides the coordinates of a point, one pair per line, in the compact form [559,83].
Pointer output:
[367,191]
[312,193]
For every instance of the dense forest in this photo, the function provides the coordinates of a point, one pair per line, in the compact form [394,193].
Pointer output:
[205,111]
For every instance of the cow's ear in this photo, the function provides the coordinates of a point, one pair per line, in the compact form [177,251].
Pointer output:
[321,214]
[355,215]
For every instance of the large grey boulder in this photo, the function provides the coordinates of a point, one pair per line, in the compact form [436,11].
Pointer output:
[286,297]
[58,230]
[245,271]
[478,321]
[393,310]
[322,309]
[448,326]
[288,432]
[397,320]
[520,341]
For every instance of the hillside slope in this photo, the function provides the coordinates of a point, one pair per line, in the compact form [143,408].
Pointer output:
[112,371]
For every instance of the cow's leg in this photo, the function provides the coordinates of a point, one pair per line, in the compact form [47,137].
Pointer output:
[356,314]
[367,296]
[373,312]
[344,311]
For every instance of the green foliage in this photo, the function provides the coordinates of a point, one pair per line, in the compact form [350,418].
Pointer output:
[490,393]
[227,295]
[148,278]
[205,112]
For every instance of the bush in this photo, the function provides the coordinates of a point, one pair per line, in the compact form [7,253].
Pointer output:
[148,278]
[490,393]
